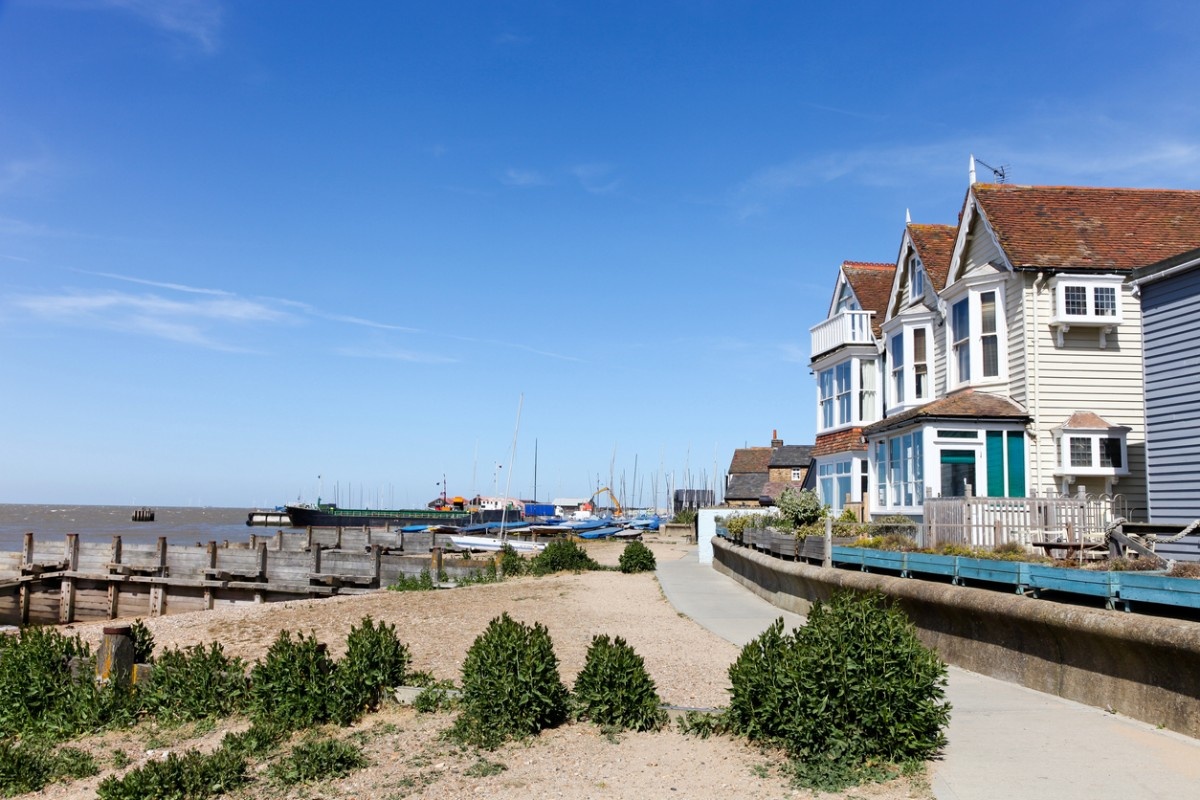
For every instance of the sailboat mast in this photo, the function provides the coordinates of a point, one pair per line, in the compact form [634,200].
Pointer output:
[512,457]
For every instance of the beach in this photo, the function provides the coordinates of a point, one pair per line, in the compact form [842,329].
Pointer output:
[408,759]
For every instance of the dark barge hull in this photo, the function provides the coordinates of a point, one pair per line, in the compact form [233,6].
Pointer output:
[330,516]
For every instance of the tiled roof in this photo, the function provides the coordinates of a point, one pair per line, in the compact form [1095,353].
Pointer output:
[1088,421]
[935,246]
[846,441]
[963,404]
[872,285]
[1090,228]
[773,489]
[750,459]
[746,486]
[792,455]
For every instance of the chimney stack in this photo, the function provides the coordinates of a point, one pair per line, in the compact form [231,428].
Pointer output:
[776,442]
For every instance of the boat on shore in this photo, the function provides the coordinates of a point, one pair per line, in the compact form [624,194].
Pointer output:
[329,515]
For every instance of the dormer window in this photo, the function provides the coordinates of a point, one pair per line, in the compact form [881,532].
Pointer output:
[916,278]
[845,301]
[1086,445]
[1086,301]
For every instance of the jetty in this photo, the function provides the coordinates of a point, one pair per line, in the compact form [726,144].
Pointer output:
[65,580]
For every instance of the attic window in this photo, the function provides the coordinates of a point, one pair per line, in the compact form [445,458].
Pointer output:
[916,278]
[1086,301]
[1091,447]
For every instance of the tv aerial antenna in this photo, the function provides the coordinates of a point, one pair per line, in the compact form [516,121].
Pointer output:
[1000,172]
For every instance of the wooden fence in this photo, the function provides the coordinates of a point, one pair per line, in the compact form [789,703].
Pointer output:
[62,581]
[1075,520]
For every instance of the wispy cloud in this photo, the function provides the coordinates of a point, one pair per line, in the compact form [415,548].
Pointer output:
[177,287]
[16,172]
[388,353]
[510,39]
[523,178]
[197,22]
[518,346]
[596,178]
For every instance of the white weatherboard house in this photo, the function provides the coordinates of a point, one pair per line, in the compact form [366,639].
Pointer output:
[1006,358]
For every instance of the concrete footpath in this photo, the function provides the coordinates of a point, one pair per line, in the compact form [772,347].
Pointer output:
[1005,740]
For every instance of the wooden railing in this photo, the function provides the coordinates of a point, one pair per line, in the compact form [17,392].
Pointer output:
[847,327]
[992,521]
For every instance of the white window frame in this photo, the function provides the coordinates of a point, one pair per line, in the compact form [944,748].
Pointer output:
[1091,285]
[899,464]
[797,473]
[973,341]
[1095,440]
[832,476]
[916,279]
[902,377]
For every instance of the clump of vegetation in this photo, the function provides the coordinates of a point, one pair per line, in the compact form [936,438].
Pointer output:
[143,642]
[422,582]
[437,696]
[38,698]
[801,507]
[195,683]
[26,767]
[895,542]
[259,740]
[190,776]
[562,556]
[1184,569]
[512,563]
[685,516]
[852,689]
[292,685]
[317,759]
[614,689]
[636,557]
[1127,564]
[375,660]
[510,685]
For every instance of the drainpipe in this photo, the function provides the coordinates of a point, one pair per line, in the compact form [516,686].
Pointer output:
[1039,283]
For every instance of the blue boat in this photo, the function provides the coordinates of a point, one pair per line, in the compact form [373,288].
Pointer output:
[602,532]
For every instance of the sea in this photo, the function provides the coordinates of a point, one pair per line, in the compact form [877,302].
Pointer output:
[100,523]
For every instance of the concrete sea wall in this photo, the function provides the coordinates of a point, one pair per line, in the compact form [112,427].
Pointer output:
[1143,667]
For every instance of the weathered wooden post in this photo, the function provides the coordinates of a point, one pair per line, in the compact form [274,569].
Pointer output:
[827,557]
[435,564]
[158,589]
[377,563]
[66,602]
[115,658]
[212,564]
[26,590]
[114,581]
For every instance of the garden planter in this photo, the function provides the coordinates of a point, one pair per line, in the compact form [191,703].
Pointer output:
[848,556]
[929,564]
[1013,573]
[892,560]
[1076,581]
[1155,587]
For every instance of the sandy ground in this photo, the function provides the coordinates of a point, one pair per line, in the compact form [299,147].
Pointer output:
[409,759]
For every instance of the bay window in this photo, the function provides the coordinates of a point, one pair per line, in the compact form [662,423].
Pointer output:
[976,337]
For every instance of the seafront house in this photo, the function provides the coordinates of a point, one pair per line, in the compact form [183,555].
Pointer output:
[846,362]
[1169,292]
[758,475]
[1009,354]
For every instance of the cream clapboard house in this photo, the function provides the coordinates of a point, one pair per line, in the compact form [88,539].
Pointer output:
[1009,355]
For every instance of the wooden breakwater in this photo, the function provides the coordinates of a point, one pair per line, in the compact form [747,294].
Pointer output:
[65,580]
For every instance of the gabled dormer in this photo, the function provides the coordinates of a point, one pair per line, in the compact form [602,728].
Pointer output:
[912,321]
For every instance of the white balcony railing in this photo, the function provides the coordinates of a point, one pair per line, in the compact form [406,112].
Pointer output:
[847,327]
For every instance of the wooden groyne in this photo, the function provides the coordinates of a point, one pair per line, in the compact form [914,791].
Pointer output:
[62,581]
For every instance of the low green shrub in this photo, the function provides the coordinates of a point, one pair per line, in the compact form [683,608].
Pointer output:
[293,684]
[636,557]
[259,740]
[422,582]
[484,575]
[562,555]
[436,697]
[190,776]
[143,642]
[686,516]
[1127,564]
[891,541]
[614,689]
[853,687]
[195,683]
[510,685]
[512,563]
[26,767]
[801,506]
[375,660]
[40,700]
[317,759]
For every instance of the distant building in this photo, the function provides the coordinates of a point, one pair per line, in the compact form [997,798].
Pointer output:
[693,499]
[758,475]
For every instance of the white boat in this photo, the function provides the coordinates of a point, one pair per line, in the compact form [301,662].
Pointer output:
[493,543]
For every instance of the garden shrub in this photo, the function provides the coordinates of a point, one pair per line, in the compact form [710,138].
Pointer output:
[317,759]
[510,685]
[293,683]
[143,642]
[853,687]
[260,739]
[375,660]
[26,767]
[190,776]
[195,683]
[685,516]
[801,506]
[614,689]
[562,555]
[636,557]
[414,583]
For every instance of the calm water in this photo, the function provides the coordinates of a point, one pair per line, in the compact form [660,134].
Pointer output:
[101,523]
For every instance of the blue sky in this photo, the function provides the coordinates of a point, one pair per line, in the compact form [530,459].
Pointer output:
[246,244]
